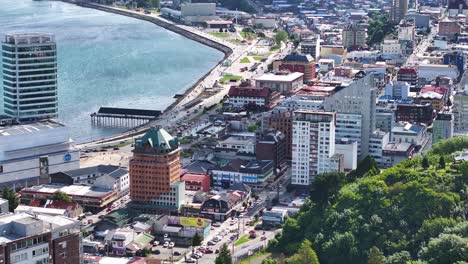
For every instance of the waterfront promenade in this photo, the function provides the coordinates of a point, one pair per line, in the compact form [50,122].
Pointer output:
[176,112]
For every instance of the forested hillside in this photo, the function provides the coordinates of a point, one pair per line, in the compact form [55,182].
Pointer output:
[415,211]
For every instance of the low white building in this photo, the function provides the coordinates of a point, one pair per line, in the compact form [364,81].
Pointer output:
[297,102]
[197,13]
[429,72]
[283,83]
[397,90]
[377,143]
[30,152]
[391,47]
[348,149]
[264,22]
[239,142]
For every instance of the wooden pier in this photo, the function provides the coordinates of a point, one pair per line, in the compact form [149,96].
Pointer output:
[123,117]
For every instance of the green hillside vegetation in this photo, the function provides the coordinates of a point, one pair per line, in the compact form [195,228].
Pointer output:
[405,213]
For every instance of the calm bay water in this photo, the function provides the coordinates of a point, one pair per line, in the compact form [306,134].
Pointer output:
[108,60]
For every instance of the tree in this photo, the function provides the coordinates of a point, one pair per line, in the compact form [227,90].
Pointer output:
[270,260]
[442,162]
[244,204]
[224,256]
[447,248]
[305,254]
[425,163]
[61,196]
[280,36]
[463,168]
[10,196]
[325,187]
[375,256]
[196,240]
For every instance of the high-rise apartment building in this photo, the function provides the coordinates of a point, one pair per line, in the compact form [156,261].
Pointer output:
[399,10]
[354,36]
[313,146]
[358,98]
[30,76]
[155,171]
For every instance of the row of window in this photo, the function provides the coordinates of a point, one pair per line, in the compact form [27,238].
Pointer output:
[28,243]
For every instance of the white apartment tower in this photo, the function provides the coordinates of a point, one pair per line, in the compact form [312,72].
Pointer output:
[460,111]
[313,145]
[30,76]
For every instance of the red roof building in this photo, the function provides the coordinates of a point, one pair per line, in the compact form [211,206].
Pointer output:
[435,89]
[196,182]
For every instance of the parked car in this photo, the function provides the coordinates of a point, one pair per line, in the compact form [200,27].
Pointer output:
[263,238]
[190,260]
[216,224]
[166,244]
[156,252]
[177,253]
[155,243]
[208,251]
[171,245]
[211,243]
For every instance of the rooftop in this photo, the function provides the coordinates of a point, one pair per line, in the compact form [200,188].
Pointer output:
[248,91]
[157,138]
[72,190]
[26,128]
[280,77]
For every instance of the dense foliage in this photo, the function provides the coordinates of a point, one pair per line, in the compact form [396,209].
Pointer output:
[405,213]
[379,27]
[11,197]
[224,256]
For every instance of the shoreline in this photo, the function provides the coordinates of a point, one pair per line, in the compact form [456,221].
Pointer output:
[226,50]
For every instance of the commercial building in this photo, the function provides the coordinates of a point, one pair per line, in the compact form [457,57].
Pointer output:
[235,145]
[274,218]
[30,76]
[181,229]
[311,46]
[391,47]
[296,62]
[198,13]
[358,98]
[449,28]
[313,145]
[399,10]
[396,152]
[264,22]
[377,144]
[155,172]
[397,90]
[196,182]
[460,111]
[254,173]
[247,96]
[354,36]
[222,206]
[457,7]
[430,72]
[39,238]
[409,75]
[437,100]
[406,30]
[349,127]
[414,113]
[409,133]
[420,20]
[285,83]
[90,198]
[455,58]
[442,127]
[29,152]
[104,176]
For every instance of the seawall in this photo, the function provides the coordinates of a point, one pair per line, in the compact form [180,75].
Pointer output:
[174,28]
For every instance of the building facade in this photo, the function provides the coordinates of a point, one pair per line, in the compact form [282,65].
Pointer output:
[155,171]
[399,10]
[460,111]
[245,96]
[443,126]
[30,76]
[414,113]
[297,63]
[30,152]
[313,145]
[354,36]
[281,82]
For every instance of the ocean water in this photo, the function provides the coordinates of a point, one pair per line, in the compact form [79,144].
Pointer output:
[108,60]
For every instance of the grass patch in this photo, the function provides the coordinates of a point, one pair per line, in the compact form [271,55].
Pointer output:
[248,35]
[236,41]
[260,256]
[257,58]
[245,60]
[227,78]
[219,34]
[275,47]
[242,240]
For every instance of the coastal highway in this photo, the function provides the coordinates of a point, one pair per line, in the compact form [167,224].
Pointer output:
[178,113]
